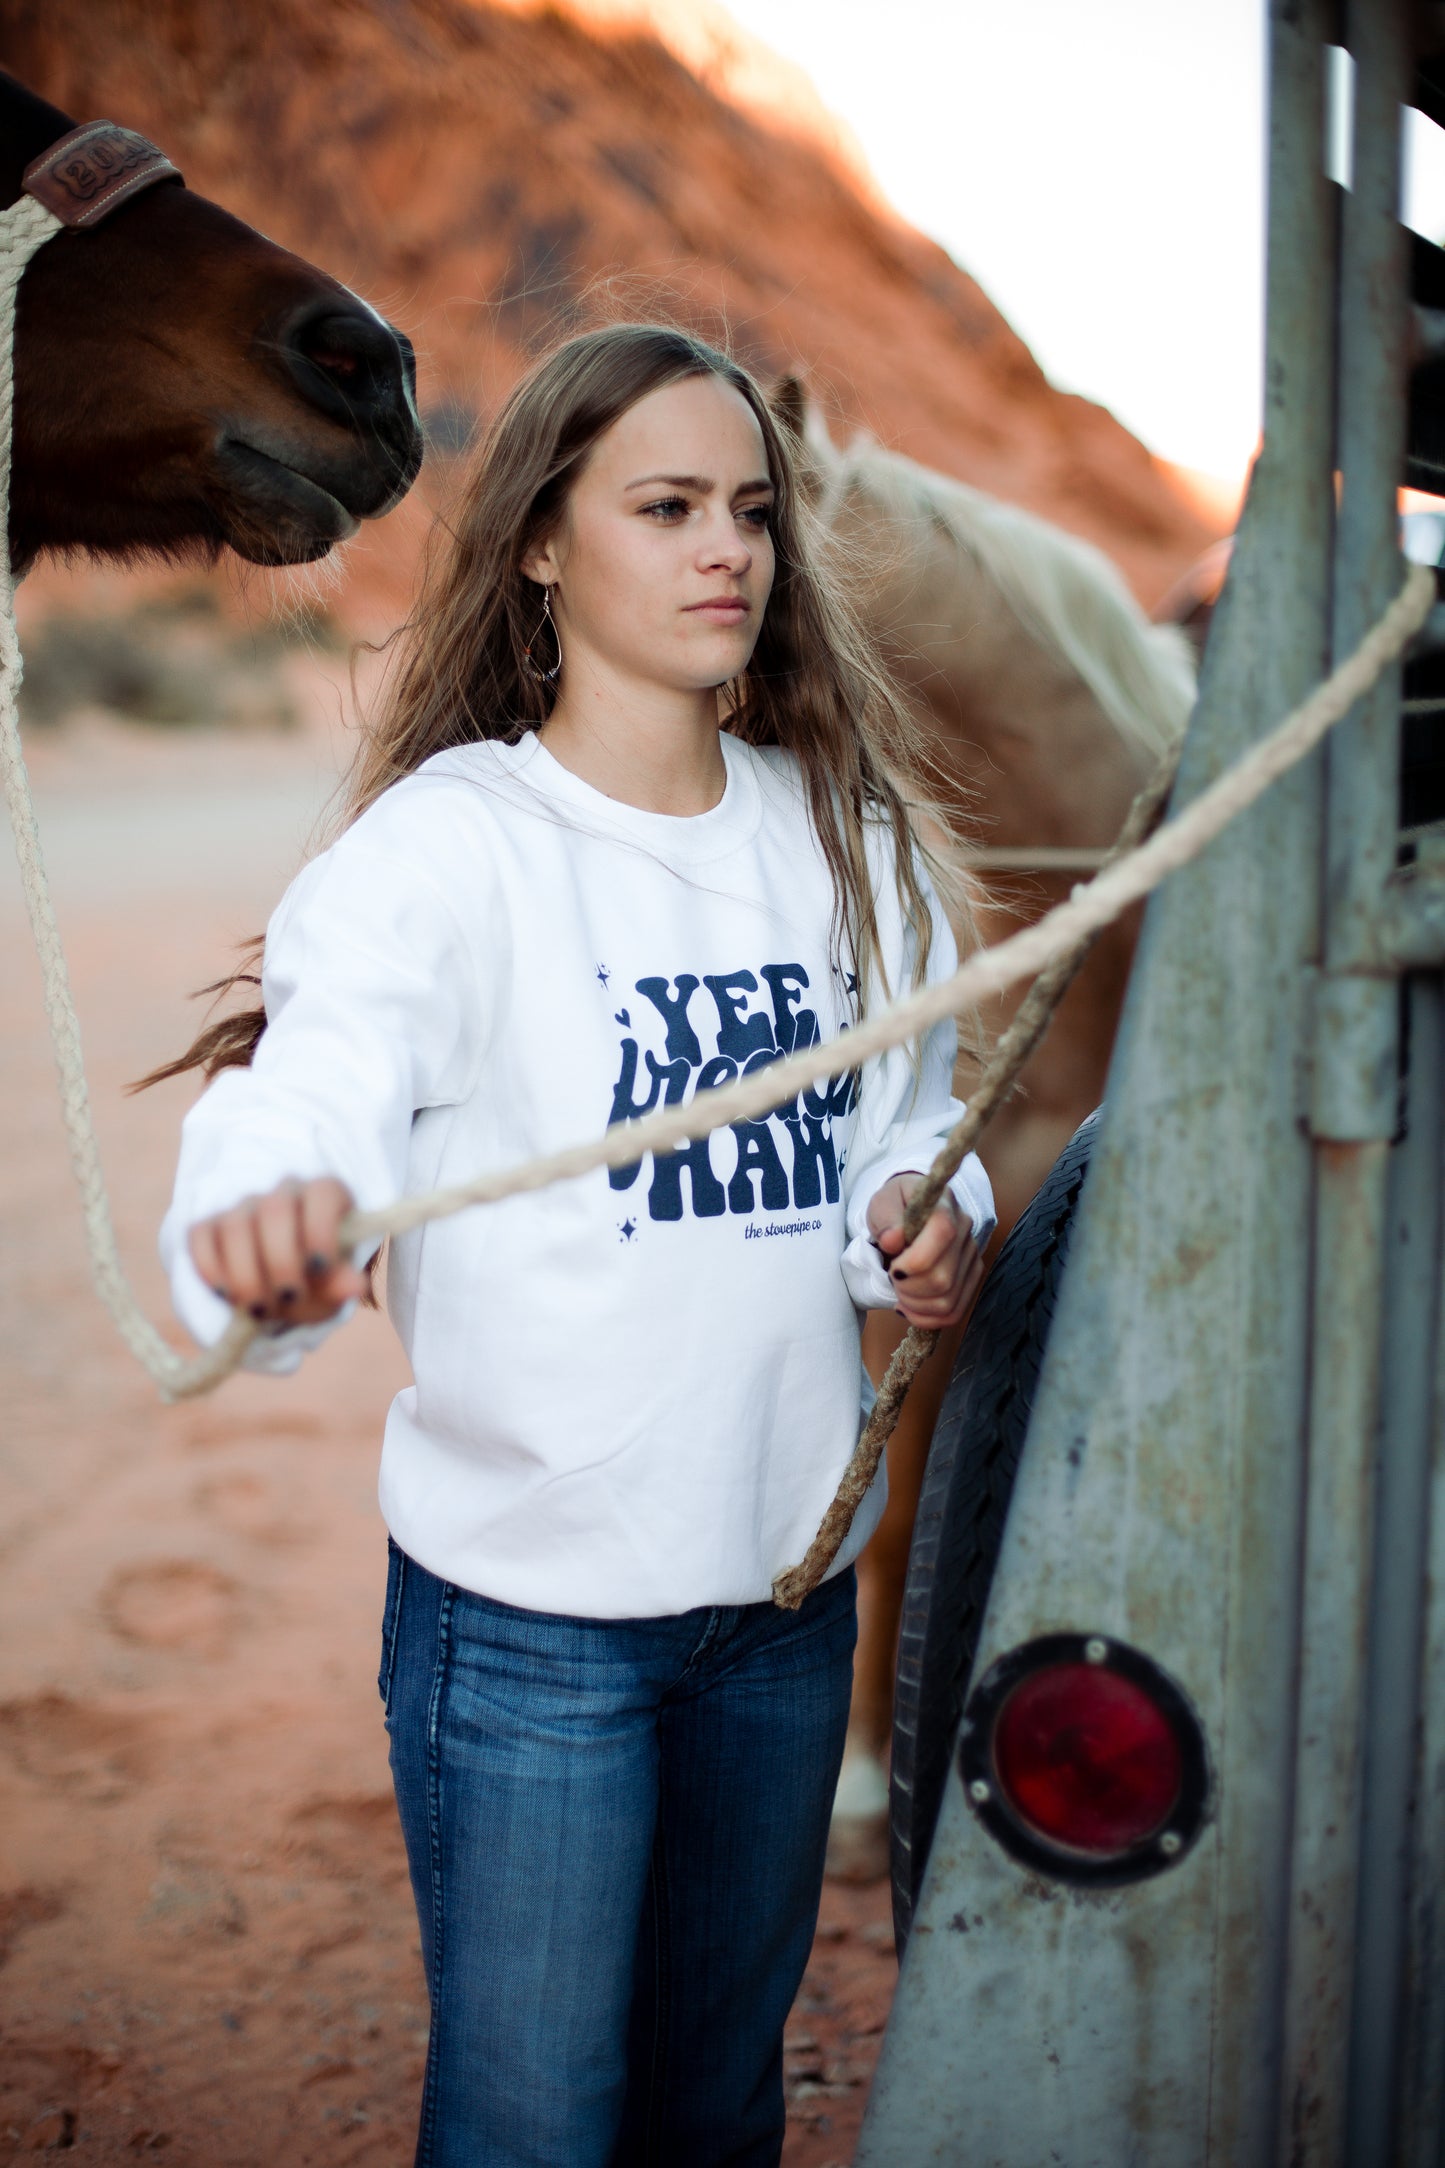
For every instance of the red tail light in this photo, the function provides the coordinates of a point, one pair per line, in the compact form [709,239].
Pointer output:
[1085,1759]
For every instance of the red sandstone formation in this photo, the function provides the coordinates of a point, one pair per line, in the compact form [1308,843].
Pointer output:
[491,170]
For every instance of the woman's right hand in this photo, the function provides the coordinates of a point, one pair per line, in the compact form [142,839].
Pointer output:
[277,1257]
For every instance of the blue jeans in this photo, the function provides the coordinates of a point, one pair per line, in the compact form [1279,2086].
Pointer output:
[616,1831]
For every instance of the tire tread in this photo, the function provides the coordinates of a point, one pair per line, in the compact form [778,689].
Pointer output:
[964,1503]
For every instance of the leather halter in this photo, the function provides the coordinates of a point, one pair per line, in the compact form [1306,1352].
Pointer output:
[93,170]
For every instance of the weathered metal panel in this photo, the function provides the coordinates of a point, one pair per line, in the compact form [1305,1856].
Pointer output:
[1160,1501]
[1362,755]
[1354,1060]
[1397,2051]
[1034,2021]
[1355,1063]
[1421,1995]
[1349,1236]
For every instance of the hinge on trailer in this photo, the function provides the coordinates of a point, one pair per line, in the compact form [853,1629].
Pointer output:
[1354,1058]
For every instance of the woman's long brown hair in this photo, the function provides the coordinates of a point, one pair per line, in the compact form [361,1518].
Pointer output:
[814,685]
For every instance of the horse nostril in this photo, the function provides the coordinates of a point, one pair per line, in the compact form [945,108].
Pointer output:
[334,362]
[350,364]
[349,351]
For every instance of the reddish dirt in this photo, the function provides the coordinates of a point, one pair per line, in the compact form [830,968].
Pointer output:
[207,1945]
[490,172]
[207,1948]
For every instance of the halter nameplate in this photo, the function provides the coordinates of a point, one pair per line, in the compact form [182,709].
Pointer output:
[88,173]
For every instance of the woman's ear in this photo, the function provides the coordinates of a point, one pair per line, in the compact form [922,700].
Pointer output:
[541,566]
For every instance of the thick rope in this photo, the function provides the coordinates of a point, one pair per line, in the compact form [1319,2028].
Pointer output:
[23,229]
[988,971]
[1035,1014]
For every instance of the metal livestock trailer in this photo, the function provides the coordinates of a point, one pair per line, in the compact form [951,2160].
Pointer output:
[1182,1903]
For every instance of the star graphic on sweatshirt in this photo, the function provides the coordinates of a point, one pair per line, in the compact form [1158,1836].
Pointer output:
[627,1229]
[603,974]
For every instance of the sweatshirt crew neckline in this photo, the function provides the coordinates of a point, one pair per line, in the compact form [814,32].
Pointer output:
[692,837]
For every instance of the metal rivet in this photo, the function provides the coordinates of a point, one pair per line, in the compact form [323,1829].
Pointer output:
[1170,1843]
[1096,1652]
[978,1792]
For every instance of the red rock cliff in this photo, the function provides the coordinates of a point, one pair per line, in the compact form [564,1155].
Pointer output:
[491,171]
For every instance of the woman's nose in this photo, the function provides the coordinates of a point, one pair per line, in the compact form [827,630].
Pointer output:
[724,549]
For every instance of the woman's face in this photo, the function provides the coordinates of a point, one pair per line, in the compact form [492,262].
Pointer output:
[663,563]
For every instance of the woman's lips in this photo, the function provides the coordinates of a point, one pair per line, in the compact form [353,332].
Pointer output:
[726,607]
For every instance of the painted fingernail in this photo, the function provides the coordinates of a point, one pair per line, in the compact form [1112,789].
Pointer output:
[287,1294]
[316,1263]
[258,1310]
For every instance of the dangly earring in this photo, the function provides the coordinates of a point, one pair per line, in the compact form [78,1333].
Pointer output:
[544,677]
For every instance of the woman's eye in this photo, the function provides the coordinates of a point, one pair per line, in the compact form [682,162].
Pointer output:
[667,509]
[755,516]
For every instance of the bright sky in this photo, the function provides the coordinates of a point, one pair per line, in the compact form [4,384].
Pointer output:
[1098,168]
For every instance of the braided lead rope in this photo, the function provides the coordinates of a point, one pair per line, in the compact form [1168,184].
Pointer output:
[23,229]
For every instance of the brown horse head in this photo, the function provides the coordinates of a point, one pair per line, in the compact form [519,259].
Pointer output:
[181,383]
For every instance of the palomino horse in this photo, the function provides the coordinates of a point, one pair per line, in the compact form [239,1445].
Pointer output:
[181,383]
[1047,698]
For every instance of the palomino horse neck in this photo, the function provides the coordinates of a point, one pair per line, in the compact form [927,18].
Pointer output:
[1045,697]
[183,384]
[1048,694]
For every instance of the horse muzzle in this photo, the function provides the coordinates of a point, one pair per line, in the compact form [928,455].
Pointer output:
[359,374]
[270,511]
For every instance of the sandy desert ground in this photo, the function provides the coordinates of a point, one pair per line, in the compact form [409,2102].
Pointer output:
[207,1948]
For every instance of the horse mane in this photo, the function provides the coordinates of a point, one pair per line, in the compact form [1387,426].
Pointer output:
[1065,593]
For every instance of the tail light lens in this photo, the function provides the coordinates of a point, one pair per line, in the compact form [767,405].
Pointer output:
[1085,1759]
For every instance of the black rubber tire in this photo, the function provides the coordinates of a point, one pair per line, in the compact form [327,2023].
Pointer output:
[964,1503]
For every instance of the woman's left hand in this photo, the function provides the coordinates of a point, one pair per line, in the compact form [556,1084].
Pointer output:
[936,1278]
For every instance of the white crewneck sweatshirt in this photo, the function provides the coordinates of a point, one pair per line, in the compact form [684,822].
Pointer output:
[634,1392]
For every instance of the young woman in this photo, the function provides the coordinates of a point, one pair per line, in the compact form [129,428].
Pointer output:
[631,824]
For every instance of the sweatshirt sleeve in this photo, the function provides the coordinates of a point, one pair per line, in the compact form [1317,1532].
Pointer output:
[905,1111]
[373,1011]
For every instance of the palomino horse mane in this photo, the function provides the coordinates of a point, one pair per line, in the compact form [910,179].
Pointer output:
[1064,592]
